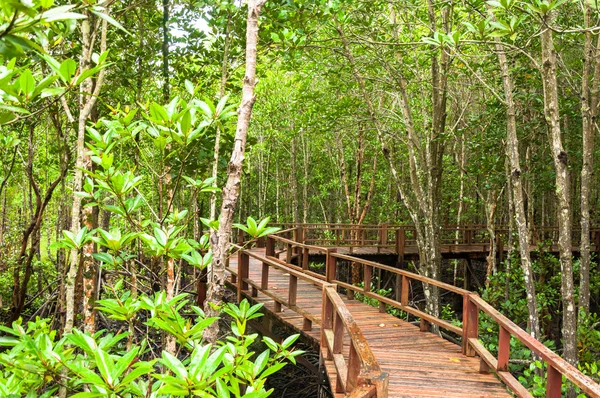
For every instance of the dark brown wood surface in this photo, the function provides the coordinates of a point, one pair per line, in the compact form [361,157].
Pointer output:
[419,364]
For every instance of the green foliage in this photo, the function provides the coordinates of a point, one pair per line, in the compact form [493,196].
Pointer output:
[257,230]
[38,362]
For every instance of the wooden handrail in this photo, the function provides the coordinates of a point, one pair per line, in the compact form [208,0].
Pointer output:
[362,369]
[362,366]
[557,366]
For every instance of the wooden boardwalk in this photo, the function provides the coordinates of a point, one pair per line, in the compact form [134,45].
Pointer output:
[418,363]
[369,353]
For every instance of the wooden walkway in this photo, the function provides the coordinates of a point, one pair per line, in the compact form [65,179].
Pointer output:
[418,363]
[370,353]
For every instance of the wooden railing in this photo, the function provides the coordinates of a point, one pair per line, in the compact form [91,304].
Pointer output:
[336,319]
[402,295]
[398,237]
[557,367]
[361,375]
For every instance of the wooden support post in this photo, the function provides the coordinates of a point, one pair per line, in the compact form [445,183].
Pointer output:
[468,236]
[253,291]
[367,272]
[338,334]
[483,366]
[270,247]
[298,237]
[353,369]
[260,242]
[470,324]
[404,291]
[307,325]
[305,253]
[264,281]
[382,308]
[362,236]
[383,237]
[503,349]
[276,306]
[424,325]
[288,253]
[597,242]
[243,264]
[553,383]
[293,290]
[330,265]
[400,246]
[326,317]
[240,237]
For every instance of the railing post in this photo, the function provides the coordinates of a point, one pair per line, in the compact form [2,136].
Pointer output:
[503,349]
[330,265]
[270,247]
[553,383]
[243,265]
[383,235]
[293,290]
[368,272]
[298,237]
[326,317]
[468,236]
[240,237]
[353,369]
[305,254]
[260,242]
[404,291]
[288,253]
[400,244]
[470,324]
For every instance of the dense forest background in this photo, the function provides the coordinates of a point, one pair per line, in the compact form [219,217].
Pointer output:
[118,121]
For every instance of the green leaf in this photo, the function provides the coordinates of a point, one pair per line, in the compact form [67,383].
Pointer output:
[101,13]
[105,365]
[174,365]
[26,82]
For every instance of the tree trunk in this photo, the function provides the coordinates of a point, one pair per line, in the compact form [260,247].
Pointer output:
[215,169]
[220,239]
[512,144]
[165,51]
[563,190]
[589,113]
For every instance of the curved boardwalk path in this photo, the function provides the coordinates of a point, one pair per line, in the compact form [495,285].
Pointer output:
[418,363]
[369,353]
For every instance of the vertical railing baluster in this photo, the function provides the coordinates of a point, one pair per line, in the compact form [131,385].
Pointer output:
[293,290]
[470,324]
[353,369]
[367,272]
[503,349]
[553,383]
[404,291]
[305,254]
[330,265]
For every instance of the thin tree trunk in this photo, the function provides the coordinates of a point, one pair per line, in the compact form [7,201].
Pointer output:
[589,112]
[165,51]
[220,239]
[512,143]
[563,190]
[215,169]
[87,99]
